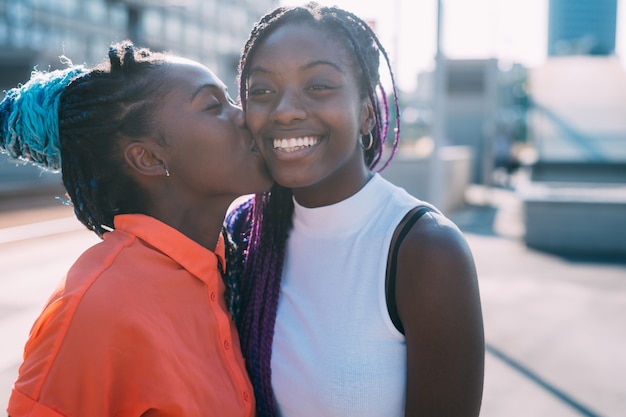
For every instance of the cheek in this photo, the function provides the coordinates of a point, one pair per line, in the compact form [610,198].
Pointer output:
[254,119]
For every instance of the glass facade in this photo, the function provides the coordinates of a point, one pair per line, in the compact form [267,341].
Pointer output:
[582,27]
[34,33]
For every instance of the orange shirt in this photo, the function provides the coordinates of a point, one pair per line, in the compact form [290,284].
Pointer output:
[139,327]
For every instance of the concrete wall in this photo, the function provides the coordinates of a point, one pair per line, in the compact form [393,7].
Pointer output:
[576,200]
[576,219]
[412,173]
[579,172]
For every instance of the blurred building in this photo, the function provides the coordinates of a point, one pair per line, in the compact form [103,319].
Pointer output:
[36,32]
[576,199]
[586,27]
[577,98]
[485,109]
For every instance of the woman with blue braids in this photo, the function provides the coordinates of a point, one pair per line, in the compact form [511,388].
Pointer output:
[152,152]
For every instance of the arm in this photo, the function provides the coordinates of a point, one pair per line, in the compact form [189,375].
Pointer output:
[439,305]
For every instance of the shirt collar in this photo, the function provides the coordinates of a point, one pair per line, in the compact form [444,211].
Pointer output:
[190,255]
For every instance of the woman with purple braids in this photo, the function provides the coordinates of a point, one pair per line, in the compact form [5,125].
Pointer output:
[349,305]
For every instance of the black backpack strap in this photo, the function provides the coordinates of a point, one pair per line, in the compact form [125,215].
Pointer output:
[390,281]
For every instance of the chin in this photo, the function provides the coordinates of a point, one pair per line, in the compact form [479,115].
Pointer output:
[294,183]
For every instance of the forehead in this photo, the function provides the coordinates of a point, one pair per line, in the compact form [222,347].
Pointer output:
[181,72]
[302,43]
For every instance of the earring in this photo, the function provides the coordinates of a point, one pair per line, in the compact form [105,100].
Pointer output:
[370,142]
[167,173]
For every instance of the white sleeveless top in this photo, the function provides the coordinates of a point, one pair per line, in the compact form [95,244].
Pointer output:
[335,350]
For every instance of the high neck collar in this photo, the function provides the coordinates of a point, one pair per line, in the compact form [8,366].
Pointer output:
[343,215]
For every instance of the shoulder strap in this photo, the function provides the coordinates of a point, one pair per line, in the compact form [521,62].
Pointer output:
[390,281]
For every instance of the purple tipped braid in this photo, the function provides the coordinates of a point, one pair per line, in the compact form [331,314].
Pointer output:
[382,120]
[269,220]
[346,22]
[261,285]
[396,136]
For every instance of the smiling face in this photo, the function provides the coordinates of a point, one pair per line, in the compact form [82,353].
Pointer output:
[307,115]
[209,151]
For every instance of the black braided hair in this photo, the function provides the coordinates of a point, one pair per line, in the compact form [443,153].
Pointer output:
[75,120]
[115,100]
[268,219]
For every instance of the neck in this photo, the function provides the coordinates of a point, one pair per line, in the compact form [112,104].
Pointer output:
[201,223]
[331,190]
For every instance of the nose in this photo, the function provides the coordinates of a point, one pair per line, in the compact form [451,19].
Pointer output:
[289,108]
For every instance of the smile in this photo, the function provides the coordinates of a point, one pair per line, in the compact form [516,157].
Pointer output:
[294,144]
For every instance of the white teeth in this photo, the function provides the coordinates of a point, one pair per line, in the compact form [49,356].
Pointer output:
[294,144]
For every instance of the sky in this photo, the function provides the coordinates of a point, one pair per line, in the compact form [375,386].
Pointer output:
[510,30]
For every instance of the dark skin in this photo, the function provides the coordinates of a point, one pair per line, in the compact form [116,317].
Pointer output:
[439,305]
[201,140]
[311,93]
[303,84]
[194,160]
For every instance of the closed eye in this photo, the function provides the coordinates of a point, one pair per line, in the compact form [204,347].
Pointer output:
[214,105]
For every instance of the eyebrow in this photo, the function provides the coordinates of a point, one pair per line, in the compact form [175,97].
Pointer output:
[323,62]
[260,69]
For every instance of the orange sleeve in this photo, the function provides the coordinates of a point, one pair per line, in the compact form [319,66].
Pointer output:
[101,364]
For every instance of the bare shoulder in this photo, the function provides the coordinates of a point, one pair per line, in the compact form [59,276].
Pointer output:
[438,302]
[436,275]
[435,242]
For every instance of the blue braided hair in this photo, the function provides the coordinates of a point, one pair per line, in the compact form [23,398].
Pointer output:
[75,120]
[29,124]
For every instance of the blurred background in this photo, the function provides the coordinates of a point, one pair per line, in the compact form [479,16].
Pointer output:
[493,93]
[513,123]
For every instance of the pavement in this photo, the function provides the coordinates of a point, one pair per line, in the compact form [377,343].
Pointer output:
[554,326]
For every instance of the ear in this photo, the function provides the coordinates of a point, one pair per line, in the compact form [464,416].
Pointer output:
[368,118]
[145,158]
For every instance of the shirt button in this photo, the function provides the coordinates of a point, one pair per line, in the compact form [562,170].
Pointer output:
[213,296]
[226,345]
[246,396]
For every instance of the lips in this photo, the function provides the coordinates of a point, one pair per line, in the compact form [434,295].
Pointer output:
[296,143]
